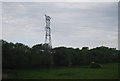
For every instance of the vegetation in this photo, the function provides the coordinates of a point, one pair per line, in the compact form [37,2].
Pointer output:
[20,56]
[21,61]
[108,71]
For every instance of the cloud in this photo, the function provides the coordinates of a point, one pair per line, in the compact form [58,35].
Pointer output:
[72,24]
[61,1]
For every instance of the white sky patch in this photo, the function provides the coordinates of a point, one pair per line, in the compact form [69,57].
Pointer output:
[60,0]
[72,24]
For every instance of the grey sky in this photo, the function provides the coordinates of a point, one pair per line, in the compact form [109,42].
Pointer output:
[73,24]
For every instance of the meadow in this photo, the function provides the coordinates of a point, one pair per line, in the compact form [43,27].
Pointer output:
[108,71]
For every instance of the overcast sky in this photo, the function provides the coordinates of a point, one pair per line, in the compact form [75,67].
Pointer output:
[79,24]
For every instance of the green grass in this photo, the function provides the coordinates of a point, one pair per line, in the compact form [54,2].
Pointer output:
[109,71]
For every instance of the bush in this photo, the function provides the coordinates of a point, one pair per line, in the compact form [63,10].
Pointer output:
[95,65]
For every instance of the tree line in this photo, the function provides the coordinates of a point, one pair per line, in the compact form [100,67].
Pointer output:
[20,56]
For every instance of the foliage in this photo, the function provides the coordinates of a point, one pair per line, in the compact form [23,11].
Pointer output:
[20,56]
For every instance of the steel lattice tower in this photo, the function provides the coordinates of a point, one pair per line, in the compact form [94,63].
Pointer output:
[48,44]
[48,32]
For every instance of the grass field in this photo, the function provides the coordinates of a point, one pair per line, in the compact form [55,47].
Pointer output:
[109,71]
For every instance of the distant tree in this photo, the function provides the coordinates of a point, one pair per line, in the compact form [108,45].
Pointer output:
[103,54]
[85,48]
[85,55]
[14,55]
[20,56]
[63,56]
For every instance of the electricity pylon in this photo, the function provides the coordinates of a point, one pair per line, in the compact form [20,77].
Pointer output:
[48,32]
[48,44]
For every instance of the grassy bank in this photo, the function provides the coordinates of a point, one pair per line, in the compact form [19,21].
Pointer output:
[109,71]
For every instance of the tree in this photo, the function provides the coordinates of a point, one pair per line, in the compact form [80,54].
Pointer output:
[20,56]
